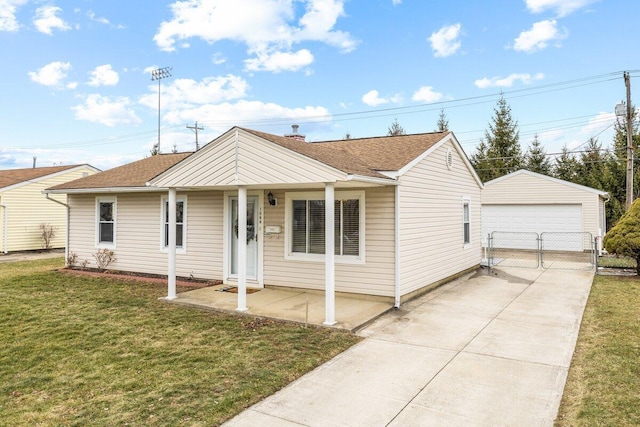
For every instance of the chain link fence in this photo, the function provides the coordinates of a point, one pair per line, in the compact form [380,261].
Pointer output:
[571,251]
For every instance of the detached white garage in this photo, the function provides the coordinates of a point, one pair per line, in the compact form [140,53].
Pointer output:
[525,201]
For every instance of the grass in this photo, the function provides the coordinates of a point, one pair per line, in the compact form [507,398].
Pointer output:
[612,261]
[80,351]
[603,387]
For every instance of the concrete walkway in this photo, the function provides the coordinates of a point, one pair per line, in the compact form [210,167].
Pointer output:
[485,350]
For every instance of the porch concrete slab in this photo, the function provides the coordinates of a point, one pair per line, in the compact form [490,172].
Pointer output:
[452,357]
[290,305]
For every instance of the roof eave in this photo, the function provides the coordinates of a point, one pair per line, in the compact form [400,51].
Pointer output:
[104,190]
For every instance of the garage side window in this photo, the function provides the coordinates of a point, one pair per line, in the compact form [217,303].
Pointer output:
[466,222]
[106,222]
[180,223]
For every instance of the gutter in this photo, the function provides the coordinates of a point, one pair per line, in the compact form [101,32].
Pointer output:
[66,243]
[6,228]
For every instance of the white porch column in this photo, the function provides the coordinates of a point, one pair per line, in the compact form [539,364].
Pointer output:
[329,255]
[242,248]
[171,249]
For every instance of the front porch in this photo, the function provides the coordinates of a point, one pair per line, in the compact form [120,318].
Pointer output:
[301,306]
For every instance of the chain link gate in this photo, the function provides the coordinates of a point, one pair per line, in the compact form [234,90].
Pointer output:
[569,251]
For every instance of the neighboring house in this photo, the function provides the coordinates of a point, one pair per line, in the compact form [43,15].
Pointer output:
[406,214]
[23,206]
[525,201]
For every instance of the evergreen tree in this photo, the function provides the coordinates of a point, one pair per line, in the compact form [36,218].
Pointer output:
[443,122]
[481,163]
[154,150]
[502,141]
[395,129]
[592,168]
[566,166]
[624,238]
[536,158]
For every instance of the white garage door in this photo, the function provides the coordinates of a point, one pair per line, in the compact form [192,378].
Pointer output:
[531,218]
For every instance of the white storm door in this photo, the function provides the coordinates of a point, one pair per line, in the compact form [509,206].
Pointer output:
[252,237]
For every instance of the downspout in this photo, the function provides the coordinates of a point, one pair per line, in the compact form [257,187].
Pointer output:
[397,246]
[6,229]
[66,242]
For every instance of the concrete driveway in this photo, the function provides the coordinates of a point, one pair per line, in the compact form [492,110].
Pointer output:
[484,350]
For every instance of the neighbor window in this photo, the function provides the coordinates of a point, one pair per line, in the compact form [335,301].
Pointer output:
[306,224]
[180,225]
[106,221]
[466,223]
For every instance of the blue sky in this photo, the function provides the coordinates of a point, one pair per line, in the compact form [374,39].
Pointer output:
[77,86]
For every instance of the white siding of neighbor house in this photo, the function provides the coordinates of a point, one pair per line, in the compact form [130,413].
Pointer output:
[534,190]
[257,162]
[431,220]
[139,232]
[27,208]
[374,277]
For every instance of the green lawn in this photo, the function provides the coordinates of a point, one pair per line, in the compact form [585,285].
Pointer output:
[603,387]
[77,351]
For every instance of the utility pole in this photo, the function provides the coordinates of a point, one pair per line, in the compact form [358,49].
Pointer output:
[196,129]
[159,74]
[627,83]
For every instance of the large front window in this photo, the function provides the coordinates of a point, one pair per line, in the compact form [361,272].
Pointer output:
[306,224]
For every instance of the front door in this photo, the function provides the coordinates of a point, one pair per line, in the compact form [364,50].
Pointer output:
[252,237]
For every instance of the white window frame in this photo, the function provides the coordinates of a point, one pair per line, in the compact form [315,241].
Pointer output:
[466,201]
[163,206]
[319,195]
[106,245]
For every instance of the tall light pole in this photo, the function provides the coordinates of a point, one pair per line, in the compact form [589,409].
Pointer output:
[159,74]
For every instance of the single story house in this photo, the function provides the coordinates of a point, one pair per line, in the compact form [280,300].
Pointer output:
[251,208]
[23,206]
[525,201]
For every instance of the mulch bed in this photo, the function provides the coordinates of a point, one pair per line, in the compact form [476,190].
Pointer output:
[147,278]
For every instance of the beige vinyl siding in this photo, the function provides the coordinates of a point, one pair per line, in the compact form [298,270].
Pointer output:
[2,212]
[534,190]
[28,207]
[375,277]
[258,162]
[431,220]
[139,233]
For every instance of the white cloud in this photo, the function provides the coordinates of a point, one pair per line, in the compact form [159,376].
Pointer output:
[539,36]
[396,2]
[52,74]
[188,93]
[104,75]
[561,7]
[8,8]
[279,61]
[218,58]
[445,41]
[264,26]
[508,81]
[372,98]
[228,113]
[107,111]
[427,94]
[46,20]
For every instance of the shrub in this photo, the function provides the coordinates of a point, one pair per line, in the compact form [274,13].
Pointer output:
[47,234]
[624,238]
[103,258]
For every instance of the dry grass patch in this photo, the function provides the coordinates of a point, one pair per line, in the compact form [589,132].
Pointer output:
[82,351]
[603,387]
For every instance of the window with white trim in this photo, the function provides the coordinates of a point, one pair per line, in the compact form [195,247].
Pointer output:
[181,228]
[106,222]
[466,221]
[305,228]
